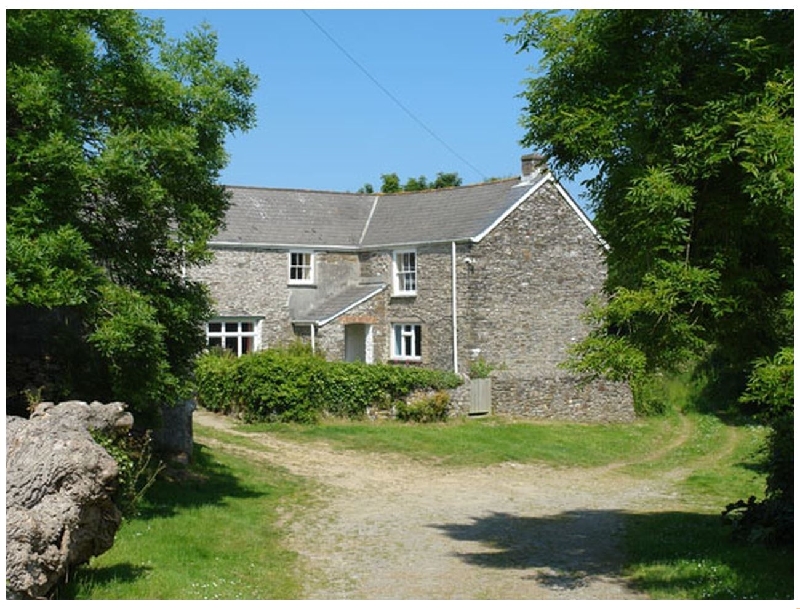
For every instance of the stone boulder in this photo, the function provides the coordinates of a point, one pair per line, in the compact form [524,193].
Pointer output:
[59,492]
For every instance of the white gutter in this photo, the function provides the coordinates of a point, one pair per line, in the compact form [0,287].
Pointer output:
[282,246]
[313,339]
[455,311]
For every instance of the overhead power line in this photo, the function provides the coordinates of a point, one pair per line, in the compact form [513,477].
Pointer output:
[389,94]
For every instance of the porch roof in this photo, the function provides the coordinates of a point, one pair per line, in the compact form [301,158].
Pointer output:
[334,306]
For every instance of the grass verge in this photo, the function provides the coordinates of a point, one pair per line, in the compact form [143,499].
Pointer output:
[485,441]
[214,534]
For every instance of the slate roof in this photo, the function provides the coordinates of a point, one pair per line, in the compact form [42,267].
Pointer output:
[340,303]
[267,216]
[334,220]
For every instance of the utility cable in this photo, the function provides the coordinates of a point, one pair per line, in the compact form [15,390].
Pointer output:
[393,98]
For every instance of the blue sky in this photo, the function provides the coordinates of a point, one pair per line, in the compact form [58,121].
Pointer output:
[412,92]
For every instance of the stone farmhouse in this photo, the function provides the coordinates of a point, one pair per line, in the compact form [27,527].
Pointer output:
[499,271]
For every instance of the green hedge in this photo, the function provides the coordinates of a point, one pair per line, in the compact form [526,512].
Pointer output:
[291,384]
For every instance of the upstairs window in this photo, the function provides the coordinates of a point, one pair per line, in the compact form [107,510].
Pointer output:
[237,336]
[404,271]
[407,342]
[301,268]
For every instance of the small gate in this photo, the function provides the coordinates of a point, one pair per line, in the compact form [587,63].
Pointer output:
[480,396]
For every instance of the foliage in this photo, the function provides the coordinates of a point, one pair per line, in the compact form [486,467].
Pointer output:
[114,143]
[427,409]
[771,385]
[137,471]
[390,182]
[216,381]
[688,118]
[292,384]
[479,368]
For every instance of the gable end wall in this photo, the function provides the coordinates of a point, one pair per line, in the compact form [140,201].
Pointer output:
[525,293]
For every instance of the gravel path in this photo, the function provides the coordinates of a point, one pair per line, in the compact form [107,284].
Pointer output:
[387,527]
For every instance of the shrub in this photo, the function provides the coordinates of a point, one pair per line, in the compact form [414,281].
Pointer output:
[217,383]
[480,368]
[276,386]
[292,384]
[425,410]
[771,386]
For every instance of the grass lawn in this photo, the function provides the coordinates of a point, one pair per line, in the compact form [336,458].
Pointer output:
[213,535]
[218,535]
[484,441]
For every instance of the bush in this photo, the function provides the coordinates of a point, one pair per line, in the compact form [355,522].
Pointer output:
[771,387]
[216,378]
[276,386]
[293,384]
[425,410]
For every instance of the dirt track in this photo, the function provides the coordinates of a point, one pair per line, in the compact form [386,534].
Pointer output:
[392,528]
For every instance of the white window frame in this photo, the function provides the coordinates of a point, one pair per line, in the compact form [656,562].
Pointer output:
[401,277]
[308,275]
[226,333]
[401,349]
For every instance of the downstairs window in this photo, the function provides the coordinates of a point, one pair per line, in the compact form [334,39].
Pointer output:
[239,336]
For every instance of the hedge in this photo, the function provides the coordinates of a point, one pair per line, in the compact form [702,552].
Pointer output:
[292,384]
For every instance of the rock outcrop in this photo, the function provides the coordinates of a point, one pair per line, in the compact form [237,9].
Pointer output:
[59,492]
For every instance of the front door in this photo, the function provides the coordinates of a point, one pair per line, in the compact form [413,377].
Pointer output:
[358,343]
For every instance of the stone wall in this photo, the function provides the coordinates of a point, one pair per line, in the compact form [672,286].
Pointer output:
[529,281]
[563,399]
[255,281]
[39,343]
[252,281]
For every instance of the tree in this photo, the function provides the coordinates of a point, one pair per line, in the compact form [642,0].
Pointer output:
[416,184]
[390,183]
[446,180]
[114,145]
[687,116]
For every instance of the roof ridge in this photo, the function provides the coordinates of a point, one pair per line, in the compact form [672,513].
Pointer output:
[368,194]
[310,190]
[446,189]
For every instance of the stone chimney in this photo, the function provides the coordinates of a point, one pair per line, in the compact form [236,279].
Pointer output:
[532,164]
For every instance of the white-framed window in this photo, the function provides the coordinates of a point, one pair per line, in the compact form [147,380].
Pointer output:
[301,267]
[407,342]
[238,335]
[404,273]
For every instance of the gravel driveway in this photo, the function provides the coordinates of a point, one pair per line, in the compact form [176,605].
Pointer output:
[388,527]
